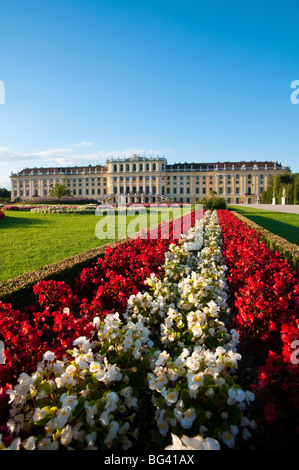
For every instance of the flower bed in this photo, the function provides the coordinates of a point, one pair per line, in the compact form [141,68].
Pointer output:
[266,306]
[28,335]
[55,208]
[20,207]
[98,368]
[65,209]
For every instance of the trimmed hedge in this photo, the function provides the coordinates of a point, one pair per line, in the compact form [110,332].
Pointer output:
[18,291]
[275,242]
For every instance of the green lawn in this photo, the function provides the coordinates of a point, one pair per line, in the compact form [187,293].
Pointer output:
[32,240]
[282,224]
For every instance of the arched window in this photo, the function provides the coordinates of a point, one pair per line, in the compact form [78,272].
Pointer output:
[134,167]
[134,189]
[121,190]
[114,167]
[141,189]
[115,190]
[154,167]
[121,167]
[127,167]
[140,167]
[154,189]
[147,190]
[127,189]
[147,167]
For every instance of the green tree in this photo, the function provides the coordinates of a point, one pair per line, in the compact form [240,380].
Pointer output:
[4,193]
[289,182]
[296,189]
[59,190]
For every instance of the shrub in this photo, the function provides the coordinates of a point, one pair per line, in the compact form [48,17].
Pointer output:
[213,203]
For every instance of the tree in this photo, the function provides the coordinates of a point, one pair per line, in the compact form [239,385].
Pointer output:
[59,190]
[4,193]
[289,182]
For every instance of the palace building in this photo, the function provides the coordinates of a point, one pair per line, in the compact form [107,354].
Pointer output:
[150,179]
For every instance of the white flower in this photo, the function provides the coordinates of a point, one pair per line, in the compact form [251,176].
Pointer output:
[127,342]
[58,367]
[62,417]
[69,400]
[228,438]
[188,418]
[39,414]
[111,402]
[236,394]
[163,427]
[234,335]
[47,444]
[104,418]
[112,433]
[88,356]
[81,361]
[91,439]
[113,374]
[162,358]
[71,369]
[171,396]
[65,379]
[90,412]
[29,444]
[193,443]
[94,367]
[66,435]
[213,307]
[196,330]
[49,356]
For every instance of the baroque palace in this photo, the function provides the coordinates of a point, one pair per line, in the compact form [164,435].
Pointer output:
[150,179]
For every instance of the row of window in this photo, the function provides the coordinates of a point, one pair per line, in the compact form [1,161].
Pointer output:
[133,167]
[93,192]
[56,180]
[175,177]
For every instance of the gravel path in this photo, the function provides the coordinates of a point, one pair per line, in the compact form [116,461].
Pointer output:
[294,209]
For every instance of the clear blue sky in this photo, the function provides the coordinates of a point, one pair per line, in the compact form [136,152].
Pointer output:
[191,80]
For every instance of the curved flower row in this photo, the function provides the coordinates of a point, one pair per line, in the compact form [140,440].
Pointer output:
[175,338]
[266,306]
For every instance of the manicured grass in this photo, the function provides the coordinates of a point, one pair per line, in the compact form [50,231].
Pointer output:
[31,240]
[283,224]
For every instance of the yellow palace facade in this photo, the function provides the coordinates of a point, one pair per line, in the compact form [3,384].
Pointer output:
[150,179]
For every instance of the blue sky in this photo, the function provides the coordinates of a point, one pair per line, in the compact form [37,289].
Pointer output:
[191,80]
